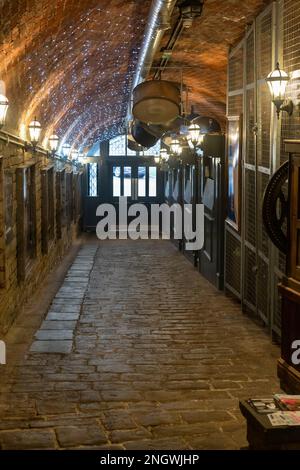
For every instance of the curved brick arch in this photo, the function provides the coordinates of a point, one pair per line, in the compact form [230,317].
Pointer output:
[61,59]
[70,63]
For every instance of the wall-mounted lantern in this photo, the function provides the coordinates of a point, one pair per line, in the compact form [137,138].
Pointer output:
[195,137]
[53,143]
[277,81]
[35,130]
[66,150]
[191,8]
[74,155]
[81,158]
[157,160]
[176,148]
[4,103]
[164,156]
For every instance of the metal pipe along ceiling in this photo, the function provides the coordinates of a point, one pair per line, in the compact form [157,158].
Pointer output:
[159,16]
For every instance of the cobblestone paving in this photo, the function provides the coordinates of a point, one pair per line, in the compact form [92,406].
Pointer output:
[56,333]
[160,361]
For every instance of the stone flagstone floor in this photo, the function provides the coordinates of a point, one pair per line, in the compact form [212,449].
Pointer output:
[56,333]
[160,359]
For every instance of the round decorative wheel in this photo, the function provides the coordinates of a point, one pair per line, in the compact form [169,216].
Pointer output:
[276,207]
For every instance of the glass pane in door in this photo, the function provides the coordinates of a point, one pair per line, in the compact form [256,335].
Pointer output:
[127,181]
[93,179]
[116,181]
[152,181]
[142,181]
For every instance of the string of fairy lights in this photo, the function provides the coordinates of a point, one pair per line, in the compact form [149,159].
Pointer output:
[83,72]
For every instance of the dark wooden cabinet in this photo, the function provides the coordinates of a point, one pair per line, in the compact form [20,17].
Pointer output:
[288,369]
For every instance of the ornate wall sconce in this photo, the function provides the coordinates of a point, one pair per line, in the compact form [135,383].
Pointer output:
[81,158]
[34,130]
[195,137]
[53,144]
[66,150]
[4,104]
[176,148]
[164,156]
[74,155]
[277,81]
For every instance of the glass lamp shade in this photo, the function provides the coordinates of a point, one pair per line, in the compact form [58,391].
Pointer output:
[164,155]
[176,147]
[35,130]
[53,143]
[157,159]
[4,103]
[74,155]
[277,81]
[66,150]
[81,158]
[194,134]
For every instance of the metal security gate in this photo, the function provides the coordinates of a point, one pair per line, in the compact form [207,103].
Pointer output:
[251,261]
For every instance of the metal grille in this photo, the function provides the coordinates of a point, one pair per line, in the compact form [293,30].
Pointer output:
[282,259]
[264,119]
[233,262]
[277,306]
[93,180]
[117,146]
[153,151]
[291,24]
[235,105]
[263,239]
[261,269]
[235,75]
[250,58]
[263,294]
[291,62]
[250,277]
[264,65]
[250,120]
[250,207]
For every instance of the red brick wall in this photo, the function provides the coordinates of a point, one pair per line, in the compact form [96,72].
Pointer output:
[13,293]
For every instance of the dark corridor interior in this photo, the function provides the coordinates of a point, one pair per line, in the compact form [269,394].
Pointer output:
[149,225]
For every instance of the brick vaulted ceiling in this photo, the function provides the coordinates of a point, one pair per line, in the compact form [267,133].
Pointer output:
[71,63]
[203,50]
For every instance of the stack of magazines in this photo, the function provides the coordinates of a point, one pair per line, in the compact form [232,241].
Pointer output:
[282,410]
